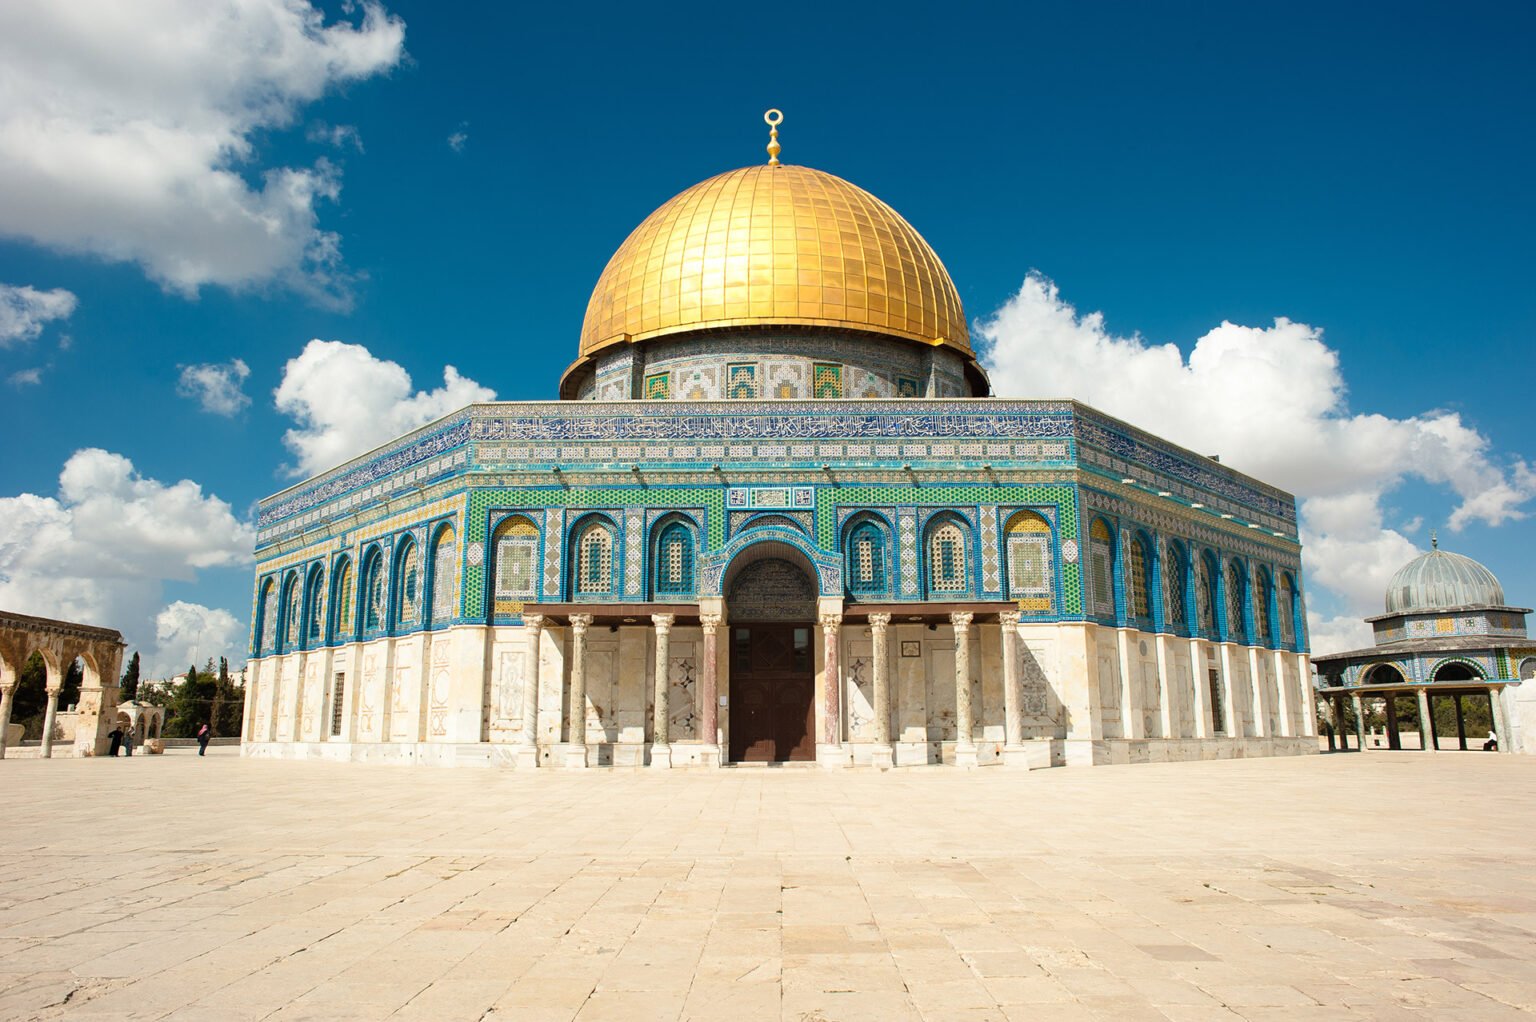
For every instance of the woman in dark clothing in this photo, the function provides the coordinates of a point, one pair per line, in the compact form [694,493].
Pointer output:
[202,740]
[116,734]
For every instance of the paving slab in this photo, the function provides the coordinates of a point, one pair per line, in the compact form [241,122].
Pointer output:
[1364,886]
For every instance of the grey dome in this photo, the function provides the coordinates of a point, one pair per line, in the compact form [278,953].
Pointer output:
[1439,580]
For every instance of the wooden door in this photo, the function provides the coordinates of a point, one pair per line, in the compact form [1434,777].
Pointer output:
[773,689]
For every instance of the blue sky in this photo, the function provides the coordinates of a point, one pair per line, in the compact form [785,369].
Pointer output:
[1361,171]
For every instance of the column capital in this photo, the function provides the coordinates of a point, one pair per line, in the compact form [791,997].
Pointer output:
[1009,618]
[52,691]
[830,623]
[663,622]
[709,622]
[533,622]
[879,622]
[580,623]
[961,620]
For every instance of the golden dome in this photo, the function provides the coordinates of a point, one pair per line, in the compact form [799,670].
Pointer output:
[774,245]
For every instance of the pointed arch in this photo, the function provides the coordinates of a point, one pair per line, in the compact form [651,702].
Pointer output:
[1262,621]
[1235,583]
[514,575]
[1139,569]
[674,558]
[372,595]
[406,612]
[292,612]
[314,606]
[594,556]
[343,598]
[266,618]
[444,595]
[1207,592]
[867,556]
[1101,570]
[1031,561]
[1173,568]
[947,546]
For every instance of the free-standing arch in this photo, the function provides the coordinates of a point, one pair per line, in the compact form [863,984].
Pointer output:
[100,651]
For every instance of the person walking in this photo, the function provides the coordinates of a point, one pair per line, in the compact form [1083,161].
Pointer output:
[116,734]
[203,735]
[128,741]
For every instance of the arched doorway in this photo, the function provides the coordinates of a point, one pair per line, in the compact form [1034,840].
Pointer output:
[771,602]
[1395,704]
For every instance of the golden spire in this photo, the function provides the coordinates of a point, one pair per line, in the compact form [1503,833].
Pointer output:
[773,118]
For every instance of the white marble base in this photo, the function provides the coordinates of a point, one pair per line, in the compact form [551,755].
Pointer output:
[966,758]
[574,757]
[709,757]
[527,757]
[661,757]
[882,757]
[832,757]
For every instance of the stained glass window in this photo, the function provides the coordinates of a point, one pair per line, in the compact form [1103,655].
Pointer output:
[1205,596]
[594,560]
[408,610]
[674,561]
[1138,579]
[946,559]
[341,599]
[1173,589]
[373,593]
[445,573]
[1287,611]
[1029,561]
[291,612]
[1236,632]
[1261,606]
[1100,560]
[866,558]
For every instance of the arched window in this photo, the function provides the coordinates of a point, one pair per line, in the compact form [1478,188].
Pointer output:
[1175,614]
[516,577]
[1138,604]
[1261,607]
[1236,628]
[864,554]
[1528,668]
[292,611]
[1101,561]
[314,618]
[408,580]
[1205,595]
[1287,611]
[445,576]
[341,601]
[594,560]
[373,592]
[674,560]
[1029,561]
[946,558]
[266,623]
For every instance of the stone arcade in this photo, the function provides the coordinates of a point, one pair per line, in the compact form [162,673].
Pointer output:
[776,517]
[100,650]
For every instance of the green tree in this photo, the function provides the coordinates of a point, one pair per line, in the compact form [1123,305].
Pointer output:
[191,702]
[130,686]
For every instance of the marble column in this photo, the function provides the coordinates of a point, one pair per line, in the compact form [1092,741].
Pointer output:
[1132,725]
[661,711]
[528,744]
[7,694]
[49,716]
[1426,724]
[1496,704]
[1202,691]
[1308,701]
[1014,752]
[829,752]
[1229,692]
[1257,700]
[965,738]
[1359,707]
[1283,690]
[576,722]
[1461,724]
[709,690]
[882,756]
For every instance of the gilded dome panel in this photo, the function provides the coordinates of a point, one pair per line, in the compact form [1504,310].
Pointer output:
[774,245]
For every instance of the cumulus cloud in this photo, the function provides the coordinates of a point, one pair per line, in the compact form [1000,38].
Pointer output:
[1271,401]
[347,402]
[25,310]
[457,140]
[101,550]
[25,377]
[339,136]
[127,132]
[216,386]
[187,634]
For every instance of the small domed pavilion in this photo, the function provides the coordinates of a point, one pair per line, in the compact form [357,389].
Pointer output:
[1447,634]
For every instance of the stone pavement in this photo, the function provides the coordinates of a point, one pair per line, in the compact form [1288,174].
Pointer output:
[1375,886]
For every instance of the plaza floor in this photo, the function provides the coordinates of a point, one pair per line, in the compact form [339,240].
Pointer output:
[1374,886]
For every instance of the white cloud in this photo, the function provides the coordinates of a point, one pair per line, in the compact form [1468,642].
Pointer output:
[101,551]
[25,377]
[187,634]
[457,140]
[127,132]
[24,310]
[1271,402]
[347,402]
[339,136]
[216,386]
